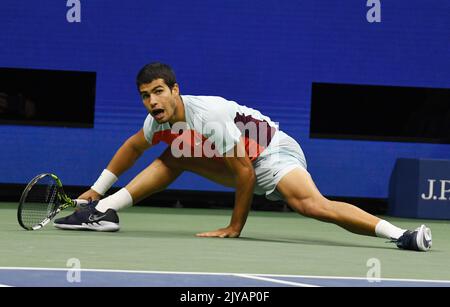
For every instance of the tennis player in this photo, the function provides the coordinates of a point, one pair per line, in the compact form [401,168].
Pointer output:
[230,144]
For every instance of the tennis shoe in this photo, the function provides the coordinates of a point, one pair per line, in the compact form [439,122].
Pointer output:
[418,240]
[87,217]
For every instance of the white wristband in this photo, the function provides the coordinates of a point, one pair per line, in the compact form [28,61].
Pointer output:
[104,182]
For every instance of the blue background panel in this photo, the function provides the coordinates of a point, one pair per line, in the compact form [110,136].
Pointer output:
[261,53]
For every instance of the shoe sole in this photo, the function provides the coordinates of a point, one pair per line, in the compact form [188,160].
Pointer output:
[98,226]
[424,238]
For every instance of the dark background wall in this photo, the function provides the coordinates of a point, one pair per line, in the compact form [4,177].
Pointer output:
[261,53]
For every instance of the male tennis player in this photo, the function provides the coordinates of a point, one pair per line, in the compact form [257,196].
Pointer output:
[230,144]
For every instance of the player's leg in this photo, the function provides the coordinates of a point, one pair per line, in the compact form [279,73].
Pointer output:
[157,176]
[164,170]
[300,192]
[302,195]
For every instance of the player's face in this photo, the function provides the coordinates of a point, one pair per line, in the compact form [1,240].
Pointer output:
[159,99]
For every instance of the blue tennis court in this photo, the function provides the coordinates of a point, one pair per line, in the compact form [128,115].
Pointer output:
[42,277]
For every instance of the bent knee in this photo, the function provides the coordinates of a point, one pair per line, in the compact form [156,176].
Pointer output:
[169,160]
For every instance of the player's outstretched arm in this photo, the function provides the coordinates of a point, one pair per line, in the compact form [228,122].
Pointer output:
[124,158]
[128,153]
[242,168]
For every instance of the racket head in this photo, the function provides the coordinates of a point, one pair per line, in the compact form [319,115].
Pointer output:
[41,200]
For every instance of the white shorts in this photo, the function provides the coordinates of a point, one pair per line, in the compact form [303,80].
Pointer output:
[281,156]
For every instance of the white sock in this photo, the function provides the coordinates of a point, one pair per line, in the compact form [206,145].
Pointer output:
[119,200]
[386,230]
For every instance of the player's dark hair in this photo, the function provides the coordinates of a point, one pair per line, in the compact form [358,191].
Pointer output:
[154,71]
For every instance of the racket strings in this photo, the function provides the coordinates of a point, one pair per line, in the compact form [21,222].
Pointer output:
[40,202]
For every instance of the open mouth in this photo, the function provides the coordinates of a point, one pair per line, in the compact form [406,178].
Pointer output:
[158,113]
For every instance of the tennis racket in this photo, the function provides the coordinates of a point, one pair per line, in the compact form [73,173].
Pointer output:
[42,199]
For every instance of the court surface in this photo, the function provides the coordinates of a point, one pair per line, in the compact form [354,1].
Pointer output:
[158,247]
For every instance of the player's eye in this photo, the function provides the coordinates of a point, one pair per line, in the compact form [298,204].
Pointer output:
[145,96]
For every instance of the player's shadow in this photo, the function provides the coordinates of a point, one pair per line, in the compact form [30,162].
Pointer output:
[316,242]
[181,234]
[157,234]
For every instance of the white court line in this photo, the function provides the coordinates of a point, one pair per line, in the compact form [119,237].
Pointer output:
[290,283]
[4,286]
[359,278]
[222,274]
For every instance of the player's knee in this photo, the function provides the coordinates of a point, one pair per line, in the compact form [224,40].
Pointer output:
[302,206]
[169,160]
[318,208]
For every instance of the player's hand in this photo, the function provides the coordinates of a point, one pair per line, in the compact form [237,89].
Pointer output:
[227,232]
[90,195]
